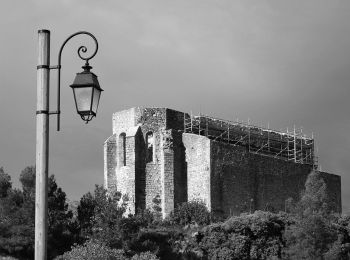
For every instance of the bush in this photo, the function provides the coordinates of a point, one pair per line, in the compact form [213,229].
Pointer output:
[95,250]
[193,212]
[92,250]
[254,236]
[145,256]
[160,241]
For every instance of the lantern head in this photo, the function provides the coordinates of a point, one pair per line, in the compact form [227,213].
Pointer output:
[87,92]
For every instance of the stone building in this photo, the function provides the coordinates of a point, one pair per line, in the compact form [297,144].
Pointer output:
[232,167]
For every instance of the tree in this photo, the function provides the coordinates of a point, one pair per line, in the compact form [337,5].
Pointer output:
[314,199]
[313,233]
[108,214]
[5,183]
[17,226]
[62,231]
[101,218]
[86,210]
[340,248]
[190,213]
[27,179]
[253,236]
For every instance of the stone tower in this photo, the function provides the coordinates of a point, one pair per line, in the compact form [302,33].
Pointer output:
[233,168]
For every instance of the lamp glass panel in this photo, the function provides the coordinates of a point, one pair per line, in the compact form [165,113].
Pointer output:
[95,100]
[83,98]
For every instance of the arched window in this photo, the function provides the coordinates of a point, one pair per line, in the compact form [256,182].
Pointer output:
[149,147]
[122,149]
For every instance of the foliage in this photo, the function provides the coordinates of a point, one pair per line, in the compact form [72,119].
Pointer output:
[92,250]
[261,235]
[145,256]
[102,218]
[27,179]
[314,199]
[308,231]
[159,240]
[103,214]
[62,231]
[157,209]
[86,210]
[16,224]
[314,234]
[108,213]
[95,250]
[309,238]
[340,249]
[254,236]
[5,183]
[18,216]
[190,213]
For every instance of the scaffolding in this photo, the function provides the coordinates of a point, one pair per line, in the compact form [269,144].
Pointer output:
[291,145]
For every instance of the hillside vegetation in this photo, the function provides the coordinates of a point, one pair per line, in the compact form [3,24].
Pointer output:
[99,229]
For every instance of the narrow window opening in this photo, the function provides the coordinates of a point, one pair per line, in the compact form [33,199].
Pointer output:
[122,149]
[149,147]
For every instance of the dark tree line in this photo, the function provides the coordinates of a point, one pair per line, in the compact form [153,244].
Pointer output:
[17,217]
[100,229]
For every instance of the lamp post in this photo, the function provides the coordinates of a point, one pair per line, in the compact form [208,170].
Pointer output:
[86,91]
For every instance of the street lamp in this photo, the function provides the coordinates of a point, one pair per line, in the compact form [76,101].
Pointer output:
[87,91]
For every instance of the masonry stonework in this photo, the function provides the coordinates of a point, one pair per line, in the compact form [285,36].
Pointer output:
[153,154]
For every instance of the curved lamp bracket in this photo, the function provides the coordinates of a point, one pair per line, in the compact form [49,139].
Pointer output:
[81,49]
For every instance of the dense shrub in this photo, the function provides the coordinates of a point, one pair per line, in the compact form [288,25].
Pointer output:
[92,250]
[190,213]
[160,241]
[340,249]
[145,256]
[254,236]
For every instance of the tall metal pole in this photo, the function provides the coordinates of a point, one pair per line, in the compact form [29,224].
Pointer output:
[42,144]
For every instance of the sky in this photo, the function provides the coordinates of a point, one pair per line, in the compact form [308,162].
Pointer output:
[281,63]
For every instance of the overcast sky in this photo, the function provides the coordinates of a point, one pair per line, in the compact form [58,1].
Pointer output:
[282,62]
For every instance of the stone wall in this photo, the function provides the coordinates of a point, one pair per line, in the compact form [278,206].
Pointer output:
[182,167]
[174,120]
[333,183]
[152,120]
[198,168]
[139,179]
[243,181]
[167,172]
[110,156]
[126,175]
[123,120]
[232,182]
